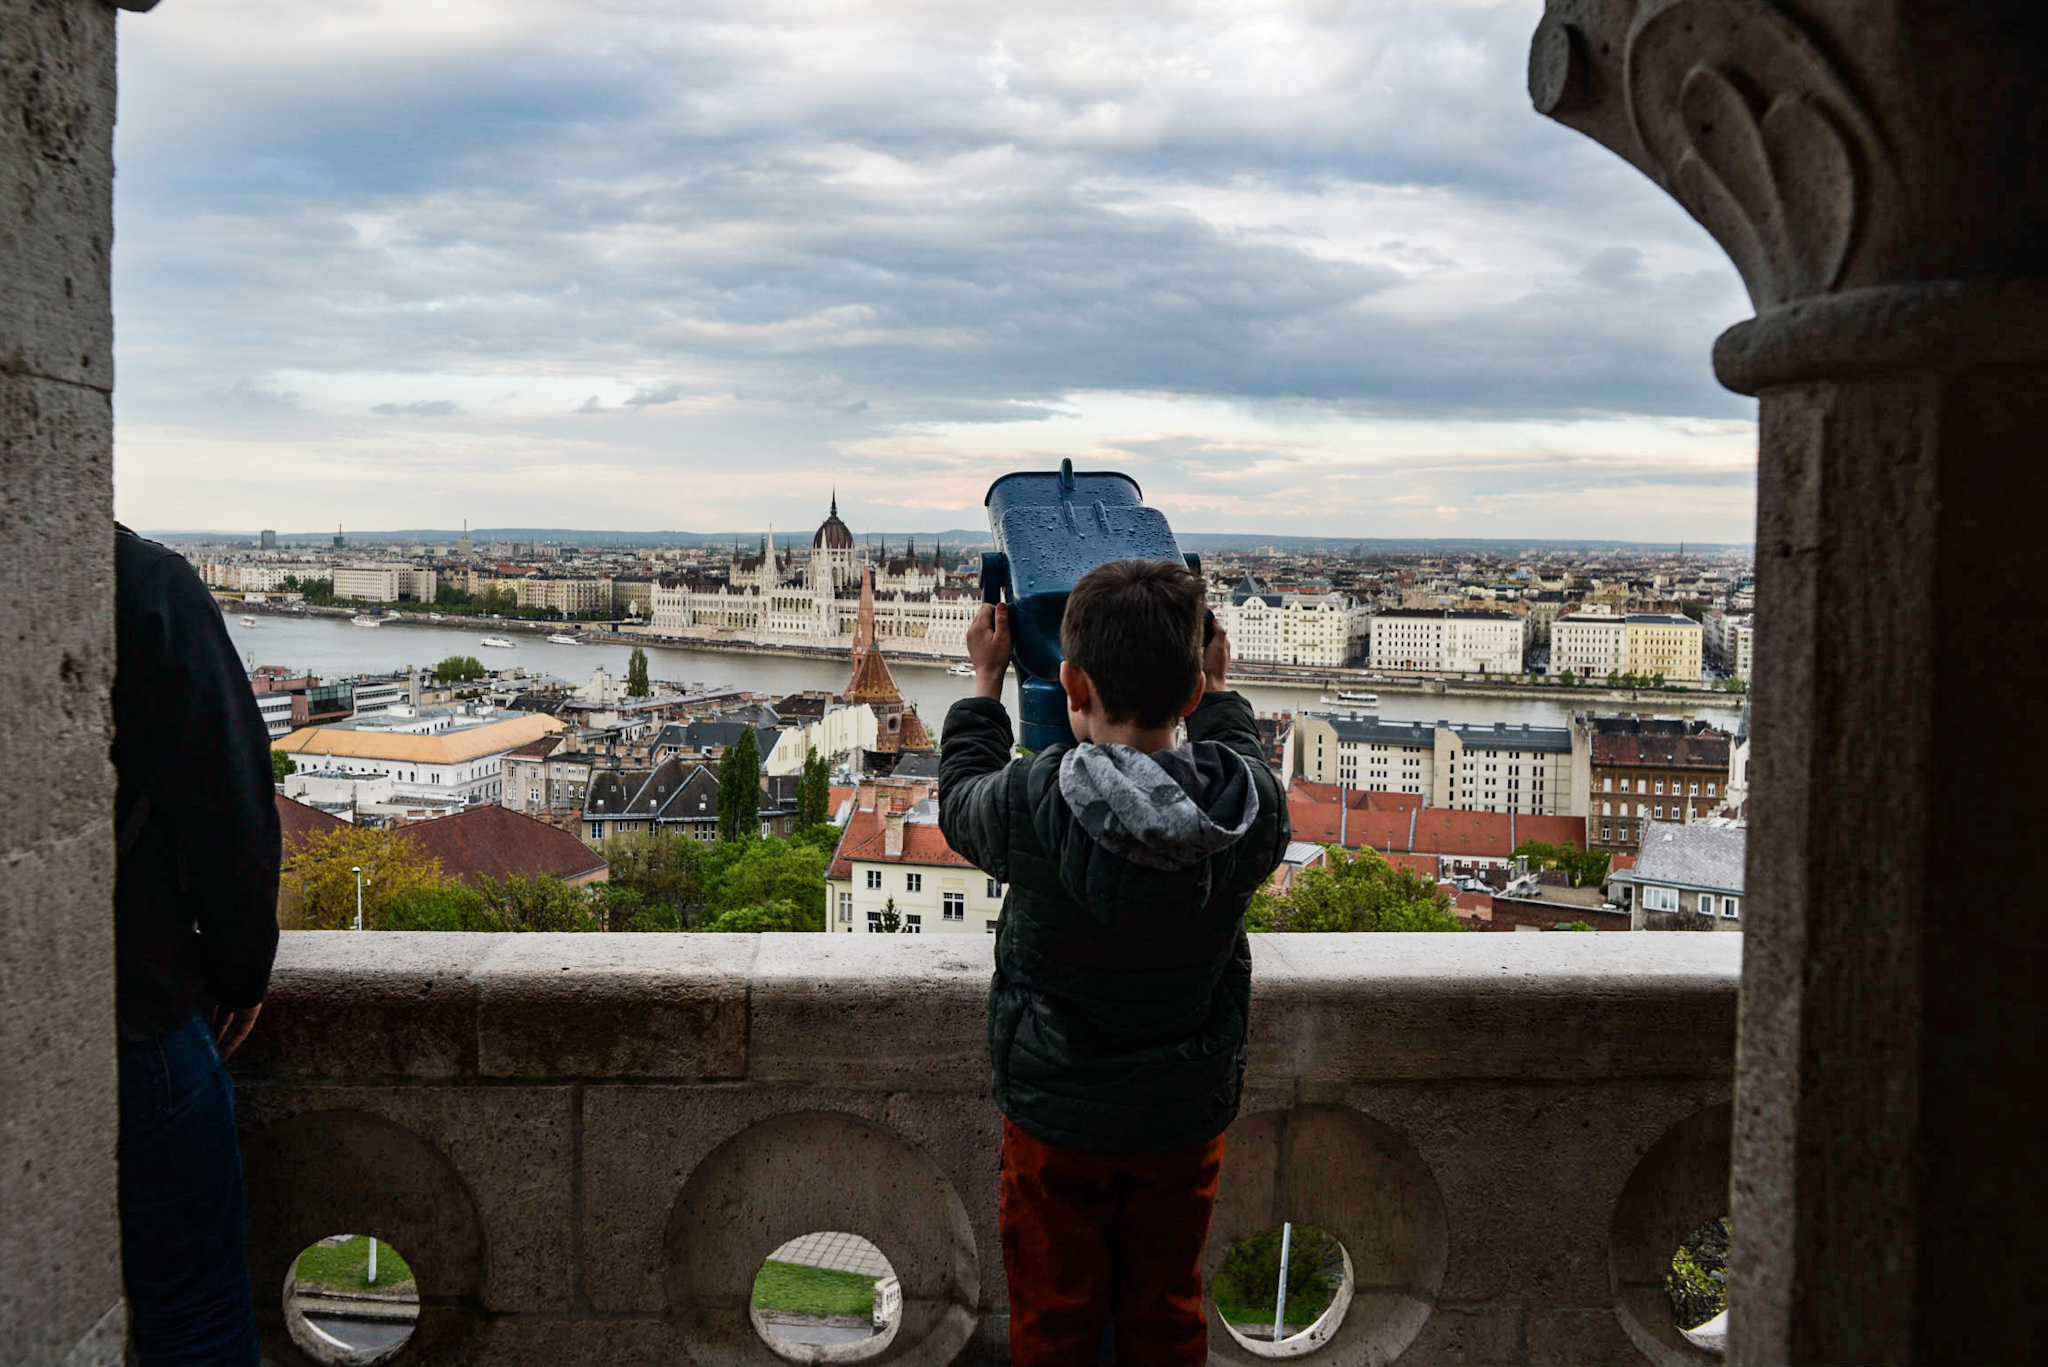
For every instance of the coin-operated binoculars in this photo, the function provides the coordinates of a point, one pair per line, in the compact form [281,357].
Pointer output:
[1051,528]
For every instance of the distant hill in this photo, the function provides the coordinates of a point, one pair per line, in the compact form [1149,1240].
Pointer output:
[1202,543]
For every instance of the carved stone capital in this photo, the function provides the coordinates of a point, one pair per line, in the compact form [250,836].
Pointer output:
[1829,146]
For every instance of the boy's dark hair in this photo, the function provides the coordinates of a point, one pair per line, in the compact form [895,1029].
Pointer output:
[1134,627]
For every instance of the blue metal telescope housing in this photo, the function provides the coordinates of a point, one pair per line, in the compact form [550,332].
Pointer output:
[1050,528]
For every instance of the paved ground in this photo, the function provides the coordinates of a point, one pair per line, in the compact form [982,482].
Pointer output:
[820,1333]
[360,1334]
[836,1251]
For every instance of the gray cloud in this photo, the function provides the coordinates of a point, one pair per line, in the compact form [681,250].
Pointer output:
[425,408]
[851,221]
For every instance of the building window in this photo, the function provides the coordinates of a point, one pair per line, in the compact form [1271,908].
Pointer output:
[1660,811]
[1607,833]
[1706,904]
[764,830]
[913,882]
[1660,899]
[953,906]
[1710,790]
[1730,908]
[995,890]
[913,924]
[846,906]
[991,925]
[874,878]
[874,923]
[1695,790]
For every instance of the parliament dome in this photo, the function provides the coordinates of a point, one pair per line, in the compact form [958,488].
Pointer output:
[832,533]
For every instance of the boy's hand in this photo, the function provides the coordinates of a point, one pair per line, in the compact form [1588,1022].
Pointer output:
[988,648]
[1216,659]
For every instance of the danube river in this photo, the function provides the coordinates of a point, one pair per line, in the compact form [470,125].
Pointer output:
[331,648]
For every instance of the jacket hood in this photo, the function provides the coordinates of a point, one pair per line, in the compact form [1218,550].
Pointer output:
[1167,810]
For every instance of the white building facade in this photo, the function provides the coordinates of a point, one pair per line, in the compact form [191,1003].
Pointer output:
[1323,629]
[1448,642]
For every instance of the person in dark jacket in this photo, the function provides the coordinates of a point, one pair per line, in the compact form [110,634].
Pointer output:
[195,930]
[1117,1014]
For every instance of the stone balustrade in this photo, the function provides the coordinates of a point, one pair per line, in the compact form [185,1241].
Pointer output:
[585,1145]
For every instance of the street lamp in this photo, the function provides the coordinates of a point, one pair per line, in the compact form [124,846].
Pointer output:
[357,870]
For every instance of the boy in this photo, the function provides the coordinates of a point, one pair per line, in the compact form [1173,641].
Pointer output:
[1116,1018]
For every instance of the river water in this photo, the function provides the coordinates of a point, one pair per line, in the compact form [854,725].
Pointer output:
[331,648]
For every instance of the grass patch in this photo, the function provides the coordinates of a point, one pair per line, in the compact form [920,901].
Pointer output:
[346,1267]
[799,1290]
[1298,1316]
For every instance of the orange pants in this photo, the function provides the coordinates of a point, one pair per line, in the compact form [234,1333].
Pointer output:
[1091,1237]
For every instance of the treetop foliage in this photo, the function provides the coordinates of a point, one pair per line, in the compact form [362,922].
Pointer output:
[1354,892]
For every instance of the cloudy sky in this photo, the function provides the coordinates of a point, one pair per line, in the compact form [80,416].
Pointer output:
[1308,268]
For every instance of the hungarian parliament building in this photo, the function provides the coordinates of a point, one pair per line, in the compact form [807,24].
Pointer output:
[811,596]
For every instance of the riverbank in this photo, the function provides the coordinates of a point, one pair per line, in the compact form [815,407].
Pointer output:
[1283,689]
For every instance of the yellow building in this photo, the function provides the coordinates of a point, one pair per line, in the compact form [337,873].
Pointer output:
[1666,643]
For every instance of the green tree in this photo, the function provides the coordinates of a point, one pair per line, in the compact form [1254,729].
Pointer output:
[282,766]
[1585,868]
[1249,1278]
[814,790]
[770,871]
[318,890]
[739,788]
[779,915]
[459,668]
[539,902]
[1360,892]
[891,920]
[657,881]
[636,674]
[1613,678]
[1565,677]
[439,906]
[1697,1285]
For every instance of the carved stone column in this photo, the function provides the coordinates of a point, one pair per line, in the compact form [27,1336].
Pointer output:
[1879,175]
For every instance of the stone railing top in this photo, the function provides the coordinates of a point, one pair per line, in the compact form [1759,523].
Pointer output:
[906,1013]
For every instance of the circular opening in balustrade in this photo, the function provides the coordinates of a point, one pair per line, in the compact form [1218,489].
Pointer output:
[350,1299]
[827,1297]
[1283,1293]
[1697,1286]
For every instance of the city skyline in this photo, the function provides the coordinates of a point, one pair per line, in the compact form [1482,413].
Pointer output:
[1312,274]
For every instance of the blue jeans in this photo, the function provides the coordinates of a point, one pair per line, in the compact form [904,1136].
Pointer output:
[182,1254]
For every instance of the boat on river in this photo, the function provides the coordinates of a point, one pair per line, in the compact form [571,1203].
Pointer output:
[366,621]
[433,617]
[498,642]
[963,671]
[248,621]
[562,640]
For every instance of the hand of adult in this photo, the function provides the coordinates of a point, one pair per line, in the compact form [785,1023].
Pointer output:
[230,1028]
[988,648]
[1216,659]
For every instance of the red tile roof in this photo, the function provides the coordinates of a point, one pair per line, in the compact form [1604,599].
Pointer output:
[301,823]
[494,842]
[865,840]
[1417,829]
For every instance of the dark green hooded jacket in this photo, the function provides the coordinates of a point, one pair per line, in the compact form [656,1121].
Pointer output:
[1117,1015]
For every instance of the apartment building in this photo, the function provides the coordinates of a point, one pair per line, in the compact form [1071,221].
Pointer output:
[1730,637]
[562,593]
[1685,871]
[892,855]
[1669,644]
[1479,768]
[1636,770]
[385,583]
[1592,641]
[1268,627]
[1448,642]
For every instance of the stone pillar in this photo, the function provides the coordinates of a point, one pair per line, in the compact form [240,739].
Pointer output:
[1878,173]
[60,1272]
